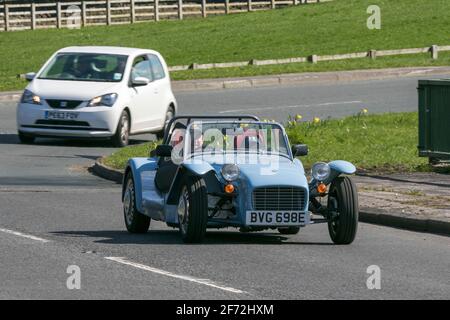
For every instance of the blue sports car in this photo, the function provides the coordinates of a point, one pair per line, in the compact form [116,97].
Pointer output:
[236,171]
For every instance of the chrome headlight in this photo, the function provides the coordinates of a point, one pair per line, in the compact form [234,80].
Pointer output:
[320,171]
[106,100]
[230,172]
[30,97]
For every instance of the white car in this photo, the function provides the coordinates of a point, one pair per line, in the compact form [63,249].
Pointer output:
[97,92]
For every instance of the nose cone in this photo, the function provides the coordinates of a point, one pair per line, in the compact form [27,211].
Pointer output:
[282,172]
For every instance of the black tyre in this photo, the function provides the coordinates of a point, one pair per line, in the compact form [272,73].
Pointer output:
[169,115]
[135,221]
[122,135]
[289,230]
[343,199]
[193,210]
[26,138]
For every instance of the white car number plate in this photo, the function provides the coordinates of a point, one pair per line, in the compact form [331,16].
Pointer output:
[61,115]
[275,218]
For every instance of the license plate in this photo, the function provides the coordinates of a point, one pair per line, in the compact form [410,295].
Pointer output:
[275,218]
[61,115]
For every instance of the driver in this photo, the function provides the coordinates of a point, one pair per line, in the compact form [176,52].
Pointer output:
[84,68]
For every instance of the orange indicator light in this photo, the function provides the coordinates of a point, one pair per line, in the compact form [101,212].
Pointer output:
[229,188]
[322,188]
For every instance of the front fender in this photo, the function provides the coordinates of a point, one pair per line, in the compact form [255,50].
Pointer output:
[342,166]
[137,166]
[198,168]
[337,167]
[203,169]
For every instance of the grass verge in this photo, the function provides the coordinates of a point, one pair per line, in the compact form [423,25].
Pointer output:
[324,28]
[118,159]
[415,60]
[382,142]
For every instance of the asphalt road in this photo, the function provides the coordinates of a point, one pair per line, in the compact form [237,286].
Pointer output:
[324,101]
[53,214]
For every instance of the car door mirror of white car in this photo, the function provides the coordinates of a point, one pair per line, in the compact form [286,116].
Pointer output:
[30,76]
[140,81]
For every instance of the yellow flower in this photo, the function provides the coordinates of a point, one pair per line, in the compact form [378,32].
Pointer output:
[365,111]
[298,117]
[316,120]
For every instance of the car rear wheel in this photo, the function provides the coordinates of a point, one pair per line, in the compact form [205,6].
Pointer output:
[121,137]
[289,230]
[343,202]
[169,115]
[26,138]
[193,210]
[135,221]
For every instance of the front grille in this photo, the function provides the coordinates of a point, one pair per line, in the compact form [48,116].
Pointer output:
[35,126]
[63,123]
[63,104]
[279,198]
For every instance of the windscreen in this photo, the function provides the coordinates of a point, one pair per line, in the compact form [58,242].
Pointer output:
[85,67]
[235,137]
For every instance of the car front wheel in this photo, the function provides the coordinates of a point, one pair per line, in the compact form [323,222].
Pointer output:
[344,209]
[120,138]
[193,210]
[135,221]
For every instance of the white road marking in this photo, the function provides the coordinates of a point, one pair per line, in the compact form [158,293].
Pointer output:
[20,234]
[292,107]
[205,282]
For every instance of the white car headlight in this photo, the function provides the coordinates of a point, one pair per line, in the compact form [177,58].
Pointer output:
[230,172]
[320,171]
[106,100]
[30,97]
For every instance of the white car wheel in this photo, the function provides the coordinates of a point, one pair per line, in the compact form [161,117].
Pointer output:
[121,137]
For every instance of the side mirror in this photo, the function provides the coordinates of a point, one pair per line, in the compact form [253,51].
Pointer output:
[140,81]
[30,76]
[162,150]
[299,150]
